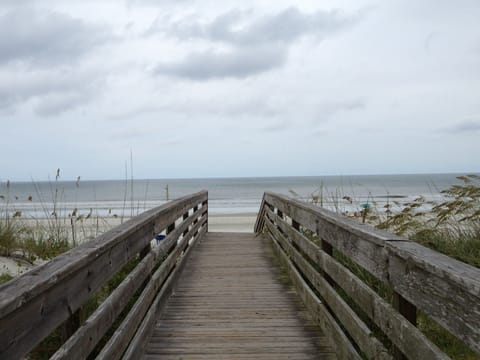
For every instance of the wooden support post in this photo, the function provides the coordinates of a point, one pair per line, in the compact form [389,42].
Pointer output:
[404,307]
[328,249]
[70,325]
[409,311]
[144,252]
[295,225]
[280,215]
[205,204]
[185,217]
[195,208]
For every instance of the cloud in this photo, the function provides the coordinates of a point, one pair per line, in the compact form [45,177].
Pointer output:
[237,63]
[51,91]
[154,3]
[467,126]
[276,126]
[229,108]
[46,37]
[326,111]
[254,44]
[57,103]
[236,27]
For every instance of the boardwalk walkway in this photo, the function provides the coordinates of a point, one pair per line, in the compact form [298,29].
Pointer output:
[232,302]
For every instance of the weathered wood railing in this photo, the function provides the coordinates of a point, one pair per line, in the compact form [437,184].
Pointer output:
[35,304]
[446,290]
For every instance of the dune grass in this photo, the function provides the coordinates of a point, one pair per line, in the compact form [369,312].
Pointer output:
[451,227]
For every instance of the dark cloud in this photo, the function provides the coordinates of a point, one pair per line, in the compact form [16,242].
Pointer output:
[46,37]
[468,126]
[237,63]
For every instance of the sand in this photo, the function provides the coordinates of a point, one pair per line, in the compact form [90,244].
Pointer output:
[243,222]
[232,223]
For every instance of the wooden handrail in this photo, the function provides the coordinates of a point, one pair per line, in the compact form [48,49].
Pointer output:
[443,288]
[34,304]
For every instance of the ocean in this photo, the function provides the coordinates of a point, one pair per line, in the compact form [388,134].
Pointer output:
[226,195]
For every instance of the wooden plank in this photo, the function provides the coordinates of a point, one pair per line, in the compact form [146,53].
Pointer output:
[137,345]
[342,345]
[357,329]
[34,304]
[91,332]
[126,330]
[205,212]
[259,223]
[402,333]
[444,288]
[361,242]
[230,302]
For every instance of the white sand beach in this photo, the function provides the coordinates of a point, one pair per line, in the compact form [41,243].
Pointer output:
[232,222]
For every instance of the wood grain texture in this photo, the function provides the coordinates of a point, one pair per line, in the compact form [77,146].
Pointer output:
[232,302]
[119,341]
[444,288]
[360,332]
[91,332]
[402,333]
[34,304]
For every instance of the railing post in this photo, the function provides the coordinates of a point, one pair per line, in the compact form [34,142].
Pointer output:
[328,249]
[185,217]
[409,311]
[71,325]
[280,215]
[205,204]
[295,225]
[195,208]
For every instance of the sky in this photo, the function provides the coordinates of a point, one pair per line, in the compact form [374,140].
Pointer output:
[188,89]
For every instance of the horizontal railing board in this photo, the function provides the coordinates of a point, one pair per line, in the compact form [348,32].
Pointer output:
[360,332]
[357,329]
[444,288]
[410,340]
[25,327]
[90,333]
[126,330]
[366,248]
[342,345]
[34,304]
[15,293]
[376,308]
[364,231]
[136,347]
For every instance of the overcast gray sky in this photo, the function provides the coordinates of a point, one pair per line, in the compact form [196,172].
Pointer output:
[238,88]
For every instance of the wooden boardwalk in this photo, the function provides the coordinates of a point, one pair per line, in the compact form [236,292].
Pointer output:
[232,301]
